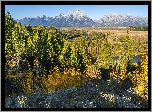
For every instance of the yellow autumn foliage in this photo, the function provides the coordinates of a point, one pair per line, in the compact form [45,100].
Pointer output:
[92,71]
[140,78]
[70,77]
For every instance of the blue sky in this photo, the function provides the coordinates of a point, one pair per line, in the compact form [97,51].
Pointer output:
[92,11]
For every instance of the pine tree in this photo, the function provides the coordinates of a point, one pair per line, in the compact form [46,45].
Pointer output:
[105,58]
[126,56]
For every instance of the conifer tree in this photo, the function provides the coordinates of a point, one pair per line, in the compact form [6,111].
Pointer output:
[105,59]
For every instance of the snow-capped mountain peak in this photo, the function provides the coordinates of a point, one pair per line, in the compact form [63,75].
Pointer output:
[62,15]
[77,10]
[79,18]
[69,14]
[79,14]
[43,16]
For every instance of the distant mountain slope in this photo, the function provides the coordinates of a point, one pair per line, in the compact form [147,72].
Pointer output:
[79,19]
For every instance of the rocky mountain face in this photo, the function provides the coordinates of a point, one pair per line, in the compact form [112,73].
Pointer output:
[80,19]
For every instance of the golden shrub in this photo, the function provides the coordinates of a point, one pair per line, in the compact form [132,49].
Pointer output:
[140,78]
[92,71]
[70,77]
[58,80]
[27,83]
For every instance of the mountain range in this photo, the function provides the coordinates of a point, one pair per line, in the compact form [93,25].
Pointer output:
[80,19]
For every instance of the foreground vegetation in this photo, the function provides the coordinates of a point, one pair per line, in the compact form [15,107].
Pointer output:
[50,59]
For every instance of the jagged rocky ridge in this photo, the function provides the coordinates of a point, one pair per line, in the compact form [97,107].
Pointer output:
[80,19]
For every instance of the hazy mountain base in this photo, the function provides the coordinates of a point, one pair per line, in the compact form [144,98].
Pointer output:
[95,94]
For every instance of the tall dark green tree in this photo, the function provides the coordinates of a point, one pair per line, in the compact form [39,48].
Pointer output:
[105,58]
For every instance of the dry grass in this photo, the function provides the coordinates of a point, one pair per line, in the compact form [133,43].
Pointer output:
[115,33]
